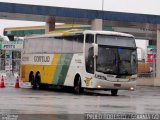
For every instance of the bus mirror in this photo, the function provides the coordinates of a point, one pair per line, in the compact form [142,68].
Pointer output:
[95,49]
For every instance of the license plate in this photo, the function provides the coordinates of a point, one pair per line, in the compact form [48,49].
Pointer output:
[117,85]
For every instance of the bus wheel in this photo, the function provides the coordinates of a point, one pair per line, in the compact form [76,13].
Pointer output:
[114,92]
[77,85]
[38,81]
[32,80]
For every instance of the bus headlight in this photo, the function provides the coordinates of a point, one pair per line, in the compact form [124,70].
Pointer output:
[99,86]
[132,88]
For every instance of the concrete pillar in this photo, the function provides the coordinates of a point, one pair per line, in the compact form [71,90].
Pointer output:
[97,24]
[50,24]
[157,79]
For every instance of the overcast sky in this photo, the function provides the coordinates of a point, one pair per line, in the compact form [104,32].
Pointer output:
[131,6]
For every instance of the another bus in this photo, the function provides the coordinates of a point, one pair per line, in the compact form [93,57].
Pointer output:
[101,60]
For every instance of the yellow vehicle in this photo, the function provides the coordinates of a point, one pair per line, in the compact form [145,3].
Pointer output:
[101,60]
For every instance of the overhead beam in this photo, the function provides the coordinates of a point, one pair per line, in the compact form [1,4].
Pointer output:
[78,13]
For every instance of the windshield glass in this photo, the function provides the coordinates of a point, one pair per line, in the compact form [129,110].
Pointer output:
[120,41]
[106,60]
[127,61]
[116,60]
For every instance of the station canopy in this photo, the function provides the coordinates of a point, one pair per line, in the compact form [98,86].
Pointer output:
[28,30]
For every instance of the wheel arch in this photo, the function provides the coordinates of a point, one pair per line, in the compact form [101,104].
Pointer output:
[75,79]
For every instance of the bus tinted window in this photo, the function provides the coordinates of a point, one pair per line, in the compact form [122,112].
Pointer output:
[33,45]
[78,44]
[67,46]
[73,44]
[89,60]
[116,41]
[62,44]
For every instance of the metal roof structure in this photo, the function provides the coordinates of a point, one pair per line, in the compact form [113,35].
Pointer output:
[6,9]
[15,11]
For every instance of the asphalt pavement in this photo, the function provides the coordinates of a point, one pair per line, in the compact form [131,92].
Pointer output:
[60,104]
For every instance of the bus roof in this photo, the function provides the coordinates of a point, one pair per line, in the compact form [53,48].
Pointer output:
[58,33]
[108,33]
[73,32]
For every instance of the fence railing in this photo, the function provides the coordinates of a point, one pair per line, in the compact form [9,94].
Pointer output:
[147,69]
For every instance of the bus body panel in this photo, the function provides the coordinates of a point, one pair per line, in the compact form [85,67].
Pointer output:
[58,68]
[76,67]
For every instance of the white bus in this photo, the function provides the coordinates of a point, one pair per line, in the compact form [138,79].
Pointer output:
[101,60]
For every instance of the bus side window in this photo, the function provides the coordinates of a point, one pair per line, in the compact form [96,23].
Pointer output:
[89,60]
[78,44]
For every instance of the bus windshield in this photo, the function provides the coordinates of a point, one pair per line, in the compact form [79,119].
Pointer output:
[120,41]
[116,59]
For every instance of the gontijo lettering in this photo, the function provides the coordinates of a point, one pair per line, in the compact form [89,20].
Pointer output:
[41,58]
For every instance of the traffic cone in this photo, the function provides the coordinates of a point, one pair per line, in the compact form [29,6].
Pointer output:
[17,82]
[2,82]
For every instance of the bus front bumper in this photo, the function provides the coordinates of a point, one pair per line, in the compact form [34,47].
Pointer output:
[107,85]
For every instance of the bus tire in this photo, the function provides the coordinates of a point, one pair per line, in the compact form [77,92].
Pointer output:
[38,81]
[77,85]
[114,92]
[32,80]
